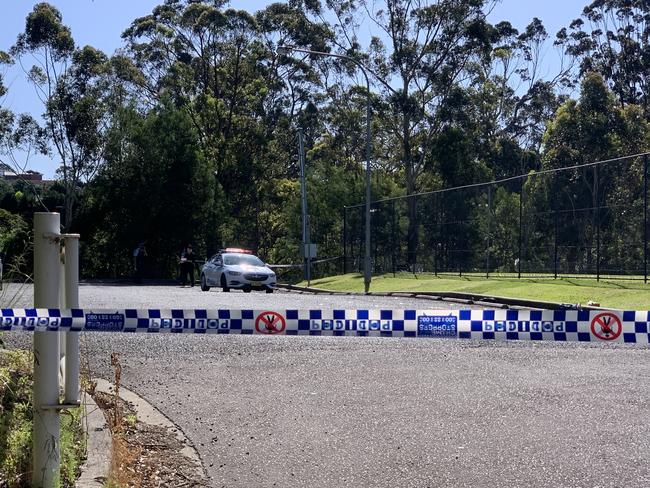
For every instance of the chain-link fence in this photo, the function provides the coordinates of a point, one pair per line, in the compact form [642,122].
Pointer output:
[588,220]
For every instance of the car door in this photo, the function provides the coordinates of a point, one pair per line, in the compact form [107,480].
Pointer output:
[218,269]
[211,272]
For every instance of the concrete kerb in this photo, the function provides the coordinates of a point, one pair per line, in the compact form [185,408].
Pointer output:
[96,469]
[457,297]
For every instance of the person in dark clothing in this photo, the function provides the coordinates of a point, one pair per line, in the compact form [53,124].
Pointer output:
[139,261]
[3,257]
[187,265]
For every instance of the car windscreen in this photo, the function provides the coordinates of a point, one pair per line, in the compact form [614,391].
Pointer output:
[241,260]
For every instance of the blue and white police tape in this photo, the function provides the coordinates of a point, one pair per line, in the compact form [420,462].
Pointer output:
[536,325]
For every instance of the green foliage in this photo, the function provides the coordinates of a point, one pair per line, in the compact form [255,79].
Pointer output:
[19,440]
[16,414]
[73,83]
[15,417]
[504,228]
[596,127]
[615,45]
[44,29]
[5,59]
[153,161]
[12,228]
[14,242]
[73,447]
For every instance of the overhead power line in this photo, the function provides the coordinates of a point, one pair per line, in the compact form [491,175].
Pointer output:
[504,180]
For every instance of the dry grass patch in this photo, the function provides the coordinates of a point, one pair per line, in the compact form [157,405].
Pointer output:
[143,456]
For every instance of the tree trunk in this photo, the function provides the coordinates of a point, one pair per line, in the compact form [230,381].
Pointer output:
[68,205]
[412,235]
[412,230]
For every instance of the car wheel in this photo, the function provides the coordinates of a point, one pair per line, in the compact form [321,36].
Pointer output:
[224,285]
[204,284]
[269,290]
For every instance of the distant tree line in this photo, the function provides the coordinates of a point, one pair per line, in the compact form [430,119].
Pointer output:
[188,132]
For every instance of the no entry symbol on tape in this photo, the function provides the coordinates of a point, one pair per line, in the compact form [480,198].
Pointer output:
[270,323]
[606,326]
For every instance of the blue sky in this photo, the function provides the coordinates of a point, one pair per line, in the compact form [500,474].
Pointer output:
[100,23]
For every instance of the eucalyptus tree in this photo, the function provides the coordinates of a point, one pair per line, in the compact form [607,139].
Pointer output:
[597,127]
[70,83]
[197,55]
[5,60]
[513,95]
[6,116]
[418,62]
[21,138]
[612,38]
[219,65]
[294,83]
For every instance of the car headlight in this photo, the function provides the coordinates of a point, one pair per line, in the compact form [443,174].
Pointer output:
[234,273]
[272,276]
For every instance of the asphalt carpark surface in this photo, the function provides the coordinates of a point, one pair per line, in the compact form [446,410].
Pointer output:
[385,412]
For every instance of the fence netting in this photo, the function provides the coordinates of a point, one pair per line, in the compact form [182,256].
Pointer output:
[586,221]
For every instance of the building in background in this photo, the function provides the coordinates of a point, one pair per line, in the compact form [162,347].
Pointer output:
[34,177]
[6,172]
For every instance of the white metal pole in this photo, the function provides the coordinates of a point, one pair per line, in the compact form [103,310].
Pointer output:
[46,353]
[61,334]
[72,301]
[303,201]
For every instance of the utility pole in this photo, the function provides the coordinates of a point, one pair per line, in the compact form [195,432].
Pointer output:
[306,244]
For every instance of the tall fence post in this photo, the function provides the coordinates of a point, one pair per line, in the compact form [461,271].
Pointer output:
[456,223]
[360,258]
[345,240]
[521,204]
[555,212]
[597,198]
[436,202]
[71,301]
[393,243]
[489,234]
[375,263]
[645,218]
[417,234]
[47,426]
[442,248]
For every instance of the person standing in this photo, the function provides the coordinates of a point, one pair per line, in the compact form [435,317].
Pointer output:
[2,259]
[139,261]
[188,261]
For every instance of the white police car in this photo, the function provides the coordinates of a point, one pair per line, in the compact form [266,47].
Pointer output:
[237,268]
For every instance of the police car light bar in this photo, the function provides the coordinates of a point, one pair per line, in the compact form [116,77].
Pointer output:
[234,249]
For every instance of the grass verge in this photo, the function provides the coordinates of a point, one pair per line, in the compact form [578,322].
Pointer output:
[16,414]
[628,295]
